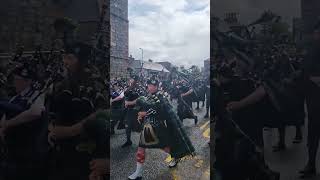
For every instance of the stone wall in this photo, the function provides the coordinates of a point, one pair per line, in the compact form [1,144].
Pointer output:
[24,22]
[30,22]
[119,37]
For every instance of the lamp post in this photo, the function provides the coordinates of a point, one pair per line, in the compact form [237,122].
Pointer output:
[141,54]
[141,60]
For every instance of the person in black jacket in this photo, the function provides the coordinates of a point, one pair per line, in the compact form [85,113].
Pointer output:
[312,91]
[76,141]
[185,102]
[132,93]
[21,129]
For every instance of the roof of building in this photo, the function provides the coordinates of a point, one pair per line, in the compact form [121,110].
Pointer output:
[136,64]
[154,66]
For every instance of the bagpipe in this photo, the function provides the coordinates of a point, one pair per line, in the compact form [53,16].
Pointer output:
[187,77]
[39,89]
[152,126]
[262,61]
[137,89]
[53,71]
[184,109]
[234,149]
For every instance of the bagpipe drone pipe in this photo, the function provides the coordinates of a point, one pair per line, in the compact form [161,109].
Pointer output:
[265,65]
[175,92]
[38,128]
[189,78]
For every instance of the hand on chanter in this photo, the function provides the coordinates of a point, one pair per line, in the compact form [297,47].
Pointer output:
[141,115]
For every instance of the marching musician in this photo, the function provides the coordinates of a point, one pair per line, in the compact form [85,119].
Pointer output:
[312,91]
[23,129]
[185,102]
[207,94]
[132,93]
[117,106]
[161,129]
[79,131]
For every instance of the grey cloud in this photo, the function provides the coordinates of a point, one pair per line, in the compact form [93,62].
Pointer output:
[173,34]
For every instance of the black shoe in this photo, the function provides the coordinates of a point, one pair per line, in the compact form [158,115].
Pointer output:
[174,163]
[128,143]
[195,120]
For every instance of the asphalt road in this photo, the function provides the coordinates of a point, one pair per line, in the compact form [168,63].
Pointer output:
[290,161]
[156,164]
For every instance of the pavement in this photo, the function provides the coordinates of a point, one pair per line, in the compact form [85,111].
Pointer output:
[293,159]
[123,161]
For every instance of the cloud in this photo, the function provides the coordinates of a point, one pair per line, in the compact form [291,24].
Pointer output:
[177,31]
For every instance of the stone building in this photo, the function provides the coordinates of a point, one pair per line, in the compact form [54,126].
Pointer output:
[30,22]
[119,60]
[23,22]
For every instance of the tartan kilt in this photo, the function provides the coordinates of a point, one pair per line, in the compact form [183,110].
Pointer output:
[184,111]
[131,118]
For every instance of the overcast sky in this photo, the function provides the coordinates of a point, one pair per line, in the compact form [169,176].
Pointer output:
[250,10]
[170,30]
